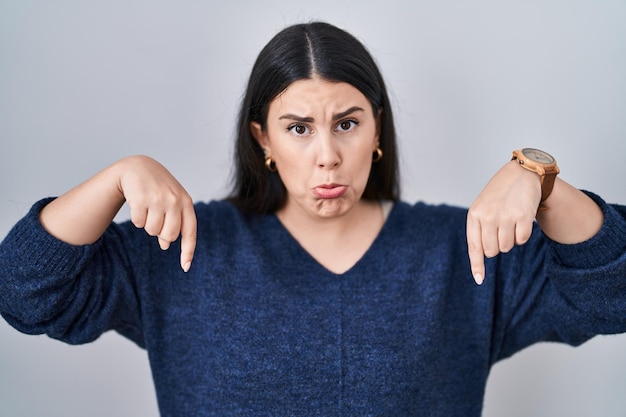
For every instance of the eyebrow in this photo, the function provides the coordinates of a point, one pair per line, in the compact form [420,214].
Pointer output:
[311,119]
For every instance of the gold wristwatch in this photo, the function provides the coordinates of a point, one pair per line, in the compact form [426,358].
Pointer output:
[541,163]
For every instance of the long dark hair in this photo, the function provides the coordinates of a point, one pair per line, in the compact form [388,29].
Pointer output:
[300,52]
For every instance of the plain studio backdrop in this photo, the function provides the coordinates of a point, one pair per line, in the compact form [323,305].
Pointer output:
[84,83]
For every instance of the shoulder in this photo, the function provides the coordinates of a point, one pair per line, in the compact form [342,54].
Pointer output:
[222,219]
[225,213]
[215,208]
[421,227]
[427,216]
[430,208]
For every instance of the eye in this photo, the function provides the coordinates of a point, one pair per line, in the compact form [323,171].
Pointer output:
[347,125]
[298,129]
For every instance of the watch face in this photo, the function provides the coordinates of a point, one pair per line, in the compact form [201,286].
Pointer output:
[538,156]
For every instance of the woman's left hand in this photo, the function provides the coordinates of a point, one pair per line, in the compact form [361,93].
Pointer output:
[502,215]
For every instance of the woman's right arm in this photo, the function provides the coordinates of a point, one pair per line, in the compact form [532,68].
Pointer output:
[157,202]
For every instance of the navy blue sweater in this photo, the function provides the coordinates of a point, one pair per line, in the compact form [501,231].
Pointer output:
[259,328]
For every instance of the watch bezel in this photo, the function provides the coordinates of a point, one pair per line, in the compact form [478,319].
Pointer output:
[530,156]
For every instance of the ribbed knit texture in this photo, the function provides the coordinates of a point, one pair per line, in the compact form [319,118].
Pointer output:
[259,328]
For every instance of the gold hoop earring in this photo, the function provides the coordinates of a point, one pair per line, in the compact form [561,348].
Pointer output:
[378,154]
[270,165]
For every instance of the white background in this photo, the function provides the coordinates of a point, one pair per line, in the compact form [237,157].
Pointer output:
[83,83]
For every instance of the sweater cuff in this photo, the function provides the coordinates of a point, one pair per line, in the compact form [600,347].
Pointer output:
[34,246]
[608,245]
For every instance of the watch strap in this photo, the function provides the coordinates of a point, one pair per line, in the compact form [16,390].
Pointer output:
[547,184]
[546,172]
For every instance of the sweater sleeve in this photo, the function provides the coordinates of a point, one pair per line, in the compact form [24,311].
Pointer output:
[71,293]
[549,291]
[591,276]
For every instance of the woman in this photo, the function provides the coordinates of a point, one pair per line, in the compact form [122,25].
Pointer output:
[313,289]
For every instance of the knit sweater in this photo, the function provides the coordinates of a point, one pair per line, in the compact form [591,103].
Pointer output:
[258,328]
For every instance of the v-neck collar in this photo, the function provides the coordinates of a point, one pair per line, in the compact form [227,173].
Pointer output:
[312,264]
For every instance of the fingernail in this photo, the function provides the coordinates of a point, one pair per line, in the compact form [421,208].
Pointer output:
[187,266]
[478,278]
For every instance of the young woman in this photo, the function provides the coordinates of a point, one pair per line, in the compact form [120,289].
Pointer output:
[313,290]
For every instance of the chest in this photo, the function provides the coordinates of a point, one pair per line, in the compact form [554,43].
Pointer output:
[370,344]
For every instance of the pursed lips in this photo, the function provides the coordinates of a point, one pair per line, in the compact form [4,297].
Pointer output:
[329,191]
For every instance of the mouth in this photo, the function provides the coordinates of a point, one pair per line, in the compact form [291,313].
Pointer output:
[329,191]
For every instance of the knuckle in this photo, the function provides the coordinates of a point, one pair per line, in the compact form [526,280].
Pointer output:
[187,200]
[160,200]
[490,218]
[474,214]
[137,219]
[192,234]
[474,248]
[484,217]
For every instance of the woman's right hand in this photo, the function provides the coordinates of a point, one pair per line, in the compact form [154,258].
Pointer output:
[157,202]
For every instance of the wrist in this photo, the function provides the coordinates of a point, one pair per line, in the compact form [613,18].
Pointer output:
[528,178]
[542,164]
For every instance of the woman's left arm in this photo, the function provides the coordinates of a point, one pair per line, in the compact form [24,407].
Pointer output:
[568,215]
[503,214]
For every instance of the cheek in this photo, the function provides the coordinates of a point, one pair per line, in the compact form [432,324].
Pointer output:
[293,170]
[290,161]
[365,173]
[361,168]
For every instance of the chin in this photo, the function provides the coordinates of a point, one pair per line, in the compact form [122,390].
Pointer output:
[335,207]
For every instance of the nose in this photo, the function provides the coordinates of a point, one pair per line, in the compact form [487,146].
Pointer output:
[328,152]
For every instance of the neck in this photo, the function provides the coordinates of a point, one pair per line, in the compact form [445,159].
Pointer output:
[337,242]
[297,220]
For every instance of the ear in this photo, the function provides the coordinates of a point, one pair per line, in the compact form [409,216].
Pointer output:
[257,133]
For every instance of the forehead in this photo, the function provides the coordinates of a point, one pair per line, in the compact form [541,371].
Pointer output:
[317,95]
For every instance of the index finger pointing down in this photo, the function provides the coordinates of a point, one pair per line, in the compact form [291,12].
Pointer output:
[475,250]
[188,237]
